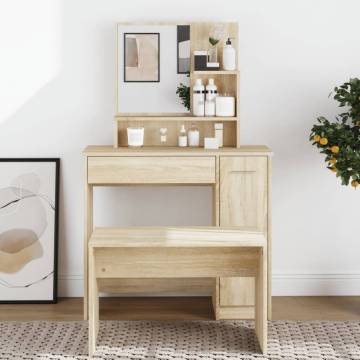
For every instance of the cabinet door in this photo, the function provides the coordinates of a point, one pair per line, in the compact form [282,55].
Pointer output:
[243,202]
[243,191]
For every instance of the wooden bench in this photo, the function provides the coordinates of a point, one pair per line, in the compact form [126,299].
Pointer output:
[176,252]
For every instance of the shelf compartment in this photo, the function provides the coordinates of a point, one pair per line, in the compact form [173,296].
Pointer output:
[152,131]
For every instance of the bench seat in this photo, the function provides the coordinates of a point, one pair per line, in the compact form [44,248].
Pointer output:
[197,236]
[177,252]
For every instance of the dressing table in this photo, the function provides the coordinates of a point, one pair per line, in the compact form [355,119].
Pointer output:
[240,177]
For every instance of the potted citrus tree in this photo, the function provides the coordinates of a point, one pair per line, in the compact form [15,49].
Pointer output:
[339,140]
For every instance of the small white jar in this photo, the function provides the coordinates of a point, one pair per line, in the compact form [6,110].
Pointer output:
[194,136]
[225,105]
[135,136]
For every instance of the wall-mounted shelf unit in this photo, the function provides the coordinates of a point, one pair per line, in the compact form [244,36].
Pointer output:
[227,82]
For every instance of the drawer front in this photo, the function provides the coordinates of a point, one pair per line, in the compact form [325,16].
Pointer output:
[151,170]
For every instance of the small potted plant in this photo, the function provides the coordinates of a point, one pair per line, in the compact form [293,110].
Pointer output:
[183,92]
[217,33]
[339,140]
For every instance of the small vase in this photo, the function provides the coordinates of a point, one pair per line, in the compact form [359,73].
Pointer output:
[212,54]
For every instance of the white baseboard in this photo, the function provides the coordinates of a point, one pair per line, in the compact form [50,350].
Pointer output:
[283,285]
[316,284]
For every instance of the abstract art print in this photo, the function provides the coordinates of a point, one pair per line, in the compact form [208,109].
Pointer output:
[141,57]
[29,201]
[183,49]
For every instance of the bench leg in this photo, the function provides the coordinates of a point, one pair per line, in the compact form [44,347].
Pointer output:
[93,304]
[261,301]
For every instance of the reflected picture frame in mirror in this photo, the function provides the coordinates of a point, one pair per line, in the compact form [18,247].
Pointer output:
[141,57]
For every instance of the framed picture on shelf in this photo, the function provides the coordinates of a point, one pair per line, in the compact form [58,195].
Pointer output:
[183,49]
[141,57]
[29,221]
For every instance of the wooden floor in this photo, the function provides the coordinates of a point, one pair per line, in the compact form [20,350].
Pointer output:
[176,308]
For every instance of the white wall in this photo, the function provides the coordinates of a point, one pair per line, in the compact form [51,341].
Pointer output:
[57,61]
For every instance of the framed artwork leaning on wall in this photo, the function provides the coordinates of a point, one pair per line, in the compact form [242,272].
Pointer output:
[29,221]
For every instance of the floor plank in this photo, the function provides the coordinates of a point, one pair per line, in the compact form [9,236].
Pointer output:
[181,308]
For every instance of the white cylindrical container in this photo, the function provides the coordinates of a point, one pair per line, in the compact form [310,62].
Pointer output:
[211,90]
[194,136]
[210,107]
[229,56]
[219,133]
[135,136]
[199,108]
[182,137]
[198,98]
[225,106]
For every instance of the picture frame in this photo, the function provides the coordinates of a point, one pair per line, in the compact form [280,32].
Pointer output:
[183,49]
[29,227]
[141,57]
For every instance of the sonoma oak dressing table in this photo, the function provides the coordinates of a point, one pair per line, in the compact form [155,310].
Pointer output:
[240,179]
[240,175]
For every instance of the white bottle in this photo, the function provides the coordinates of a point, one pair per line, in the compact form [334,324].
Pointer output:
[211,90]
[229,62]
[182,137]
[198,98]
[194,136]
[219,134]
[210,93]
[210,107]
[199,108]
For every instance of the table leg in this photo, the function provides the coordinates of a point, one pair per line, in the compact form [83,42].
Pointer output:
[93,304]
[261,301]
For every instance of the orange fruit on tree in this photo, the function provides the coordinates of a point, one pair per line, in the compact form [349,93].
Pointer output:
[323,141]
[333,169]
[332,161]
[334,149]
[316,138]
[355,184]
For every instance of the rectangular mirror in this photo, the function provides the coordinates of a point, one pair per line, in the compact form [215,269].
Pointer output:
[152,61]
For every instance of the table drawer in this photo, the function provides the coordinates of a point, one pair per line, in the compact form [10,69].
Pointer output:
[151,170]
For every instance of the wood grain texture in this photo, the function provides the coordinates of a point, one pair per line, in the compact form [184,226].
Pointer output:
[148,170]
[166,236]
[232,291]
[243,192]
[88,229]
[157,286]
[261,308]
[269,236]
[235,312]
[243,202]
[244,150]
[93,304]
[174,262]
